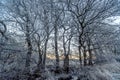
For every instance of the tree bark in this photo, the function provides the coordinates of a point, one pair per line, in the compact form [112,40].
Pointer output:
[85,57]
[29,45]
[56,48]
[39,65]
[66,63]
[44,57]
[90,58]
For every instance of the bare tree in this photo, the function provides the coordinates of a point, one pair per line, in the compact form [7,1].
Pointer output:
[22,13]
[85,14]
[56,13]
[67,37]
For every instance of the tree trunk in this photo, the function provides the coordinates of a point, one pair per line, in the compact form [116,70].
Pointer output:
[90,56]
[80,55]
[66,59]
[80,44]
[66,63]
[85,57]
[29,45]
[56,49]
[40,59]
[44,57]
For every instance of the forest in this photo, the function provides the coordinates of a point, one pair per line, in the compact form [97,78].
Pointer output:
[59,39]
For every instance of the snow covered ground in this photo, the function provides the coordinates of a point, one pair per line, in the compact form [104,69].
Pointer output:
[104,71]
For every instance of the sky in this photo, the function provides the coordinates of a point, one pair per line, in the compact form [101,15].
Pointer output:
[115,20]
